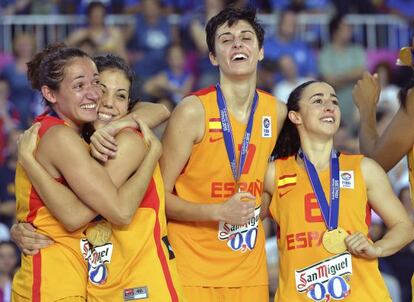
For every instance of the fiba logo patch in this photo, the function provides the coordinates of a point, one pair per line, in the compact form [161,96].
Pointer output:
[346,179]
[266,126]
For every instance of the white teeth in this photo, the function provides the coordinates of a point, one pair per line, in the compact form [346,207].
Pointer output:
[104,116]
[88,106]
[238,56]
[328,119]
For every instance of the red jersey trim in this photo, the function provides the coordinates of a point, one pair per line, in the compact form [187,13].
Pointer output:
[368,215]
[35,202]
[37,275]
[204,91]
[151,200]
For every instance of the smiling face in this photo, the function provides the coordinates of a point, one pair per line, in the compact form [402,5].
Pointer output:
[75,100]
[237,49]
[319,111]
[115,96]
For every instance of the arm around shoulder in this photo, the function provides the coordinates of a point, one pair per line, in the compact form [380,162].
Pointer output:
[88,179]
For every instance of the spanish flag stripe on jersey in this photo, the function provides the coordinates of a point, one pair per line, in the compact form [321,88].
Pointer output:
[282,182]
[214,125]
[286,186]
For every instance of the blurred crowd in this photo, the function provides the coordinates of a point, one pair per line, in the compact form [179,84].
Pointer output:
[171,60]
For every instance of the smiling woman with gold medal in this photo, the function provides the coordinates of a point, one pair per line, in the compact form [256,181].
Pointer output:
[321,203]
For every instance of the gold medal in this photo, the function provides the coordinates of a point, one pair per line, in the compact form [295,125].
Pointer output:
[405,57]
[334,241]
[99,233]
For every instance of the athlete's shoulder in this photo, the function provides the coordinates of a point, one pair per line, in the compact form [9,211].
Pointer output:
[204,91]
[265,94]
[351,157]
[190,107]
[47,122]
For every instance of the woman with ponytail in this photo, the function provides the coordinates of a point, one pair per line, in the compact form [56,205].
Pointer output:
[69,82]
[321,203]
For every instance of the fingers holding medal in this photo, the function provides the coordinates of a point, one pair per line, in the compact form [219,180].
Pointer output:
[359,245]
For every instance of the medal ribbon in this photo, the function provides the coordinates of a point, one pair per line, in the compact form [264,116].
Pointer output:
[228,134]
[329,212]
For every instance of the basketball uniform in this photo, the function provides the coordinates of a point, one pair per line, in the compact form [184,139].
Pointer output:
[57,271]
[218,254]
[307,272]
[142,263]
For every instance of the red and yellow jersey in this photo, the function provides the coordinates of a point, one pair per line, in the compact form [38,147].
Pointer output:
[306,270]
[142,265]
[217,254]
[57,271]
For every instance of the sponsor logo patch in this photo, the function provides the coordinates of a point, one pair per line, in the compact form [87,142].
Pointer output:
[240,237]
[326,280]
[97,258]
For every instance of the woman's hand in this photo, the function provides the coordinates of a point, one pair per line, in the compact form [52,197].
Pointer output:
[103,144]
[150,139]
[26,144]
[359,245]
[26,238]
[366,93]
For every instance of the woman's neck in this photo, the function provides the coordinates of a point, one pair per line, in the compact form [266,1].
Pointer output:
[77,127]
[318,153]
[239,96]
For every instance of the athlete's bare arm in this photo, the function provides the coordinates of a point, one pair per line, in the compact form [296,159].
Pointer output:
[269,187]
[398,138]
[384,202]
[103,143]
[185,129]
[281,115]
[119,210]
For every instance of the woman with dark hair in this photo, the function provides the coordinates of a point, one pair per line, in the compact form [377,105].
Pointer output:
[69,82]
[127,263]
[321,203]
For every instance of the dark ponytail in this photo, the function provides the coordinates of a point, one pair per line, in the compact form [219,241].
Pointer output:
[288,142]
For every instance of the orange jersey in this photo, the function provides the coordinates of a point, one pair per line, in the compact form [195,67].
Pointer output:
[57,271]
[307,271]
[142,265]
[217,254]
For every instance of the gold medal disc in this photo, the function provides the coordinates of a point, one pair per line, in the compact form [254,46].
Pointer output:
[334,241]
[405,57]
[100,233]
